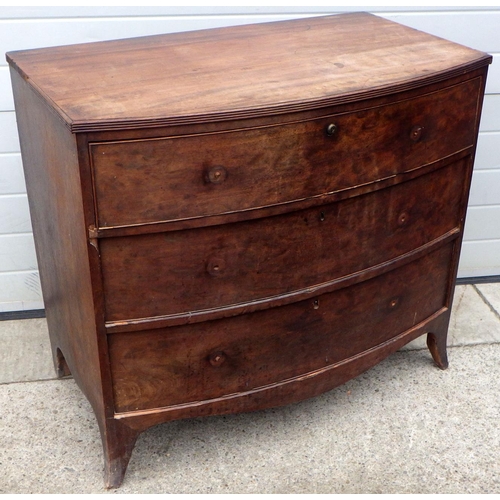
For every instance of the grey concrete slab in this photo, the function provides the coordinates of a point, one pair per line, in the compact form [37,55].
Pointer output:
[25,351]
[472,320]
[491,294]
[402,427]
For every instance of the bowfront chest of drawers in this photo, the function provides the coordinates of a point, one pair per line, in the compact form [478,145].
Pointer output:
[234,219]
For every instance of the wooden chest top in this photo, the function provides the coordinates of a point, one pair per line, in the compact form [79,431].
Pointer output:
[237,72]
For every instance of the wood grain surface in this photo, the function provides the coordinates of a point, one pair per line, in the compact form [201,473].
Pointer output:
[322,166]
[167,179]
[242,71]
[185,271]
[205,361]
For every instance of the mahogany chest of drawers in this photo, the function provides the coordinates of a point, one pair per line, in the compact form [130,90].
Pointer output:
[239,218]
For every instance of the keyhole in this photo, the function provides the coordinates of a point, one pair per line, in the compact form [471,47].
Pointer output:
[217,358]
[322,216]
[403,218]
[416,133]
[331,129]
[316,303]
[216,266]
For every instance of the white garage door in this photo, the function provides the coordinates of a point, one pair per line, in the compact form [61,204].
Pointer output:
[30,27]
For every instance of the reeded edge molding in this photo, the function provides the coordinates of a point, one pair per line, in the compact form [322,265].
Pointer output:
[290,107]
[80,126]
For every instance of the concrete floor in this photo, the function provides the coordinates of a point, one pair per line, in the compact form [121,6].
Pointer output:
[402,427]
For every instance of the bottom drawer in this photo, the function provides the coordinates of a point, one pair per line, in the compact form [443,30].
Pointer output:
[203,361]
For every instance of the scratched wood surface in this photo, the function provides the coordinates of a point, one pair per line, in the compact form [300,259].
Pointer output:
[320,61]
[218,358]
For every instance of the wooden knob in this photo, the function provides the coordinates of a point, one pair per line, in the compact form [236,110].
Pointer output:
[217,358]
[216,175]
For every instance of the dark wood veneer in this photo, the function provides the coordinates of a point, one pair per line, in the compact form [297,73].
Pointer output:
[276,344]
[165,179]
[235,219]
[246,261]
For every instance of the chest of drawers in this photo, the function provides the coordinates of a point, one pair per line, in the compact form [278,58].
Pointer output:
[234,219]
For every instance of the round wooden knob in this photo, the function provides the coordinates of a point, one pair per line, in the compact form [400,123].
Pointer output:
[216,175]
[416,133]
[217,358]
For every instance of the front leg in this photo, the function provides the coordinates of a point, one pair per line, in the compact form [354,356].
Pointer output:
[118,442]
[436,342]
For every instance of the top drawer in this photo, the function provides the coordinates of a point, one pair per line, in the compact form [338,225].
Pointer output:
[152,180]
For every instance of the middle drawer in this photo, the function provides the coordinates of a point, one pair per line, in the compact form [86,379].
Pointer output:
[191,270]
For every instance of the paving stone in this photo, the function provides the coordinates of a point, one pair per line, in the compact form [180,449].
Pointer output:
[402,427]
[25,354]
[473,321]
[491,293]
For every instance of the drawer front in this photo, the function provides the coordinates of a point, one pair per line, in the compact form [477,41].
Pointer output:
[209,360]
[201,175]
[191,270]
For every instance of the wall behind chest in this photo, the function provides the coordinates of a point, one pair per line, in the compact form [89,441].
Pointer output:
[32,27]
